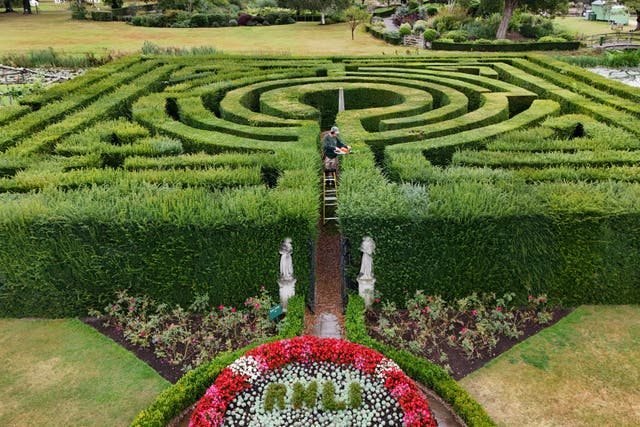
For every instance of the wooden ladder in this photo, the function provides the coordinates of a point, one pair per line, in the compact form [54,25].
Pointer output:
[329,196]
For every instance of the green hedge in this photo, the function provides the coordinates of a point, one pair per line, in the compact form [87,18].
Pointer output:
[566,240]
[510,47]
[101,15]
[168,244]
[192,386]
[417,368]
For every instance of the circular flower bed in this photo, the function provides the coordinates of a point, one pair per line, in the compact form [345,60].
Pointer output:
[310,381]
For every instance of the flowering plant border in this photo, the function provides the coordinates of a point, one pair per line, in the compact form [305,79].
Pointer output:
[240,375]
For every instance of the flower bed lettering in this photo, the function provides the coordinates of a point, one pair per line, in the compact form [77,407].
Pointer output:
[315,382]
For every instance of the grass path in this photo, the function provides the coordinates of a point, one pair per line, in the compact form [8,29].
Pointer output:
[64,373]
[53,27]
[583,371]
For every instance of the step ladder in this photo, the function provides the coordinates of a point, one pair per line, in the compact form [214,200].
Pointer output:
[329,196]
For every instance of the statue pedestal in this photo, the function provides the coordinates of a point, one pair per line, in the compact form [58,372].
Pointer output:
[287,290]
[366,289]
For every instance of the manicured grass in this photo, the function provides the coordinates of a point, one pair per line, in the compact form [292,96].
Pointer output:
[581,26]
[53,27]
[583,371]
[64,373]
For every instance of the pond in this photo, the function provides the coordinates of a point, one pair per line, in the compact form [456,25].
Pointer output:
[630,76]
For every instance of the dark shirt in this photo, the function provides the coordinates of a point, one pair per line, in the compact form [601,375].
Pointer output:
[329,145]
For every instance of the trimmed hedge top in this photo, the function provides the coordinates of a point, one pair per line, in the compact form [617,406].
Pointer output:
[181,174]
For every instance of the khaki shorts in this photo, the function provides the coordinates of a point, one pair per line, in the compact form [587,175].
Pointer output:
[330,164]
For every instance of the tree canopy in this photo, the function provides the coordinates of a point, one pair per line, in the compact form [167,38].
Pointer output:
[534,6]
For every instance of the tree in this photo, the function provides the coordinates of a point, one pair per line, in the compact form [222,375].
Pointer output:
[533,6]
[634,5]
[322,6]
[355,16]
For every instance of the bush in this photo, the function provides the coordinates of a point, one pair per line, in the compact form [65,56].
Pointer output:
[405,29]
[392,37]
[535,26]
[419,26]
[244,19]
[199,20]
[233,23]
[430,35]
[551,39]
[97,15]
[456,36]
[78,11]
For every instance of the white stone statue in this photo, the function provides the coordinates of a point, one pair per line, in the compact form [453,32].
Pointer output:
[366,281]
[286,264]
[367,247]
[286,281]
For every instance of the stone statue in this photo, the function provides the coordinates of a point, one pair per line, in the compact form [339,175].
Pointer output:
[286,264]
[366,281]
[367,247]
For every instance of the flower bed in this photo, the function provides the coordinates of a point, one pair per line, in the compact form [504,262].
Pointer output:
[314,381]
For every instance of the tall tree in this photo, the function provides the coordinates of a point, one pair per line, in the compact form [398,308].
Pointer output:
[635,6]
[356,16]
[533,6]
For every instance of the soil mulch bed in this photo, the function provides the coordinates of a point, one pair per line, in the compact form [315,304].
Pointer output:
[457,360]
[171,373]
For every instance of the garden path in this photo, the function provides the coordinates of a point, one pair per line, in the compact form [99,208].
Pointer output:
[328,320]
[388,22]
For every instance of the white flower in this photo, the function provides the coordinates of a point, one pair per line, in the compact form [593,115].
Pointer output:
[385,366]
[249,367]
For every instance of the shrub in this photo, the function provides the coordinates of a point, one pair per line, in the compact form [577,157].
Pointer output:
[233,23]
[456,36]
[405,29]
[199,20]
[551,39]
[535,26]
[97,15]
[430,35]
[244,19]
[419,26]
[78,11]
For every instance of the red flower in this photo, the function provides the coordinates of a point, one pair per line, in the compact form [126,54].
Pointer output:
[498,308]
[221,307]
[233,309]
[212,406]
[474,312]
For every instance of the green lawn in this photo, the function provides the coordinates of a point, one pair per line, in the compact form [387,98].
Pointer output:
[64,373]
[53,27]
[583,371]
[581,26]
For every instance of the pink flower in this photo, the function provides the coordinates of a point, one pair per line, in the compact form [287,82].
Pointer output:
[221,307]
[542,299]
[452,338]
[257,305]
[114,307]
[474,312]
[132,308]
[498,308]
[530,297]
[377,300]
[132,300]
[143,334]
[463,330]
[233,309]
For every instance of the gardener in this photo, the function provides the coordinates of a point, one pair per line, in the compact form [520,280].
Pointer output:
[332,146]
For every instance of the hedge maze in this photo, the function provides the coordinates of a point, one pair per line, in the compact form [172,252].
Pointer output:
[178,175]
